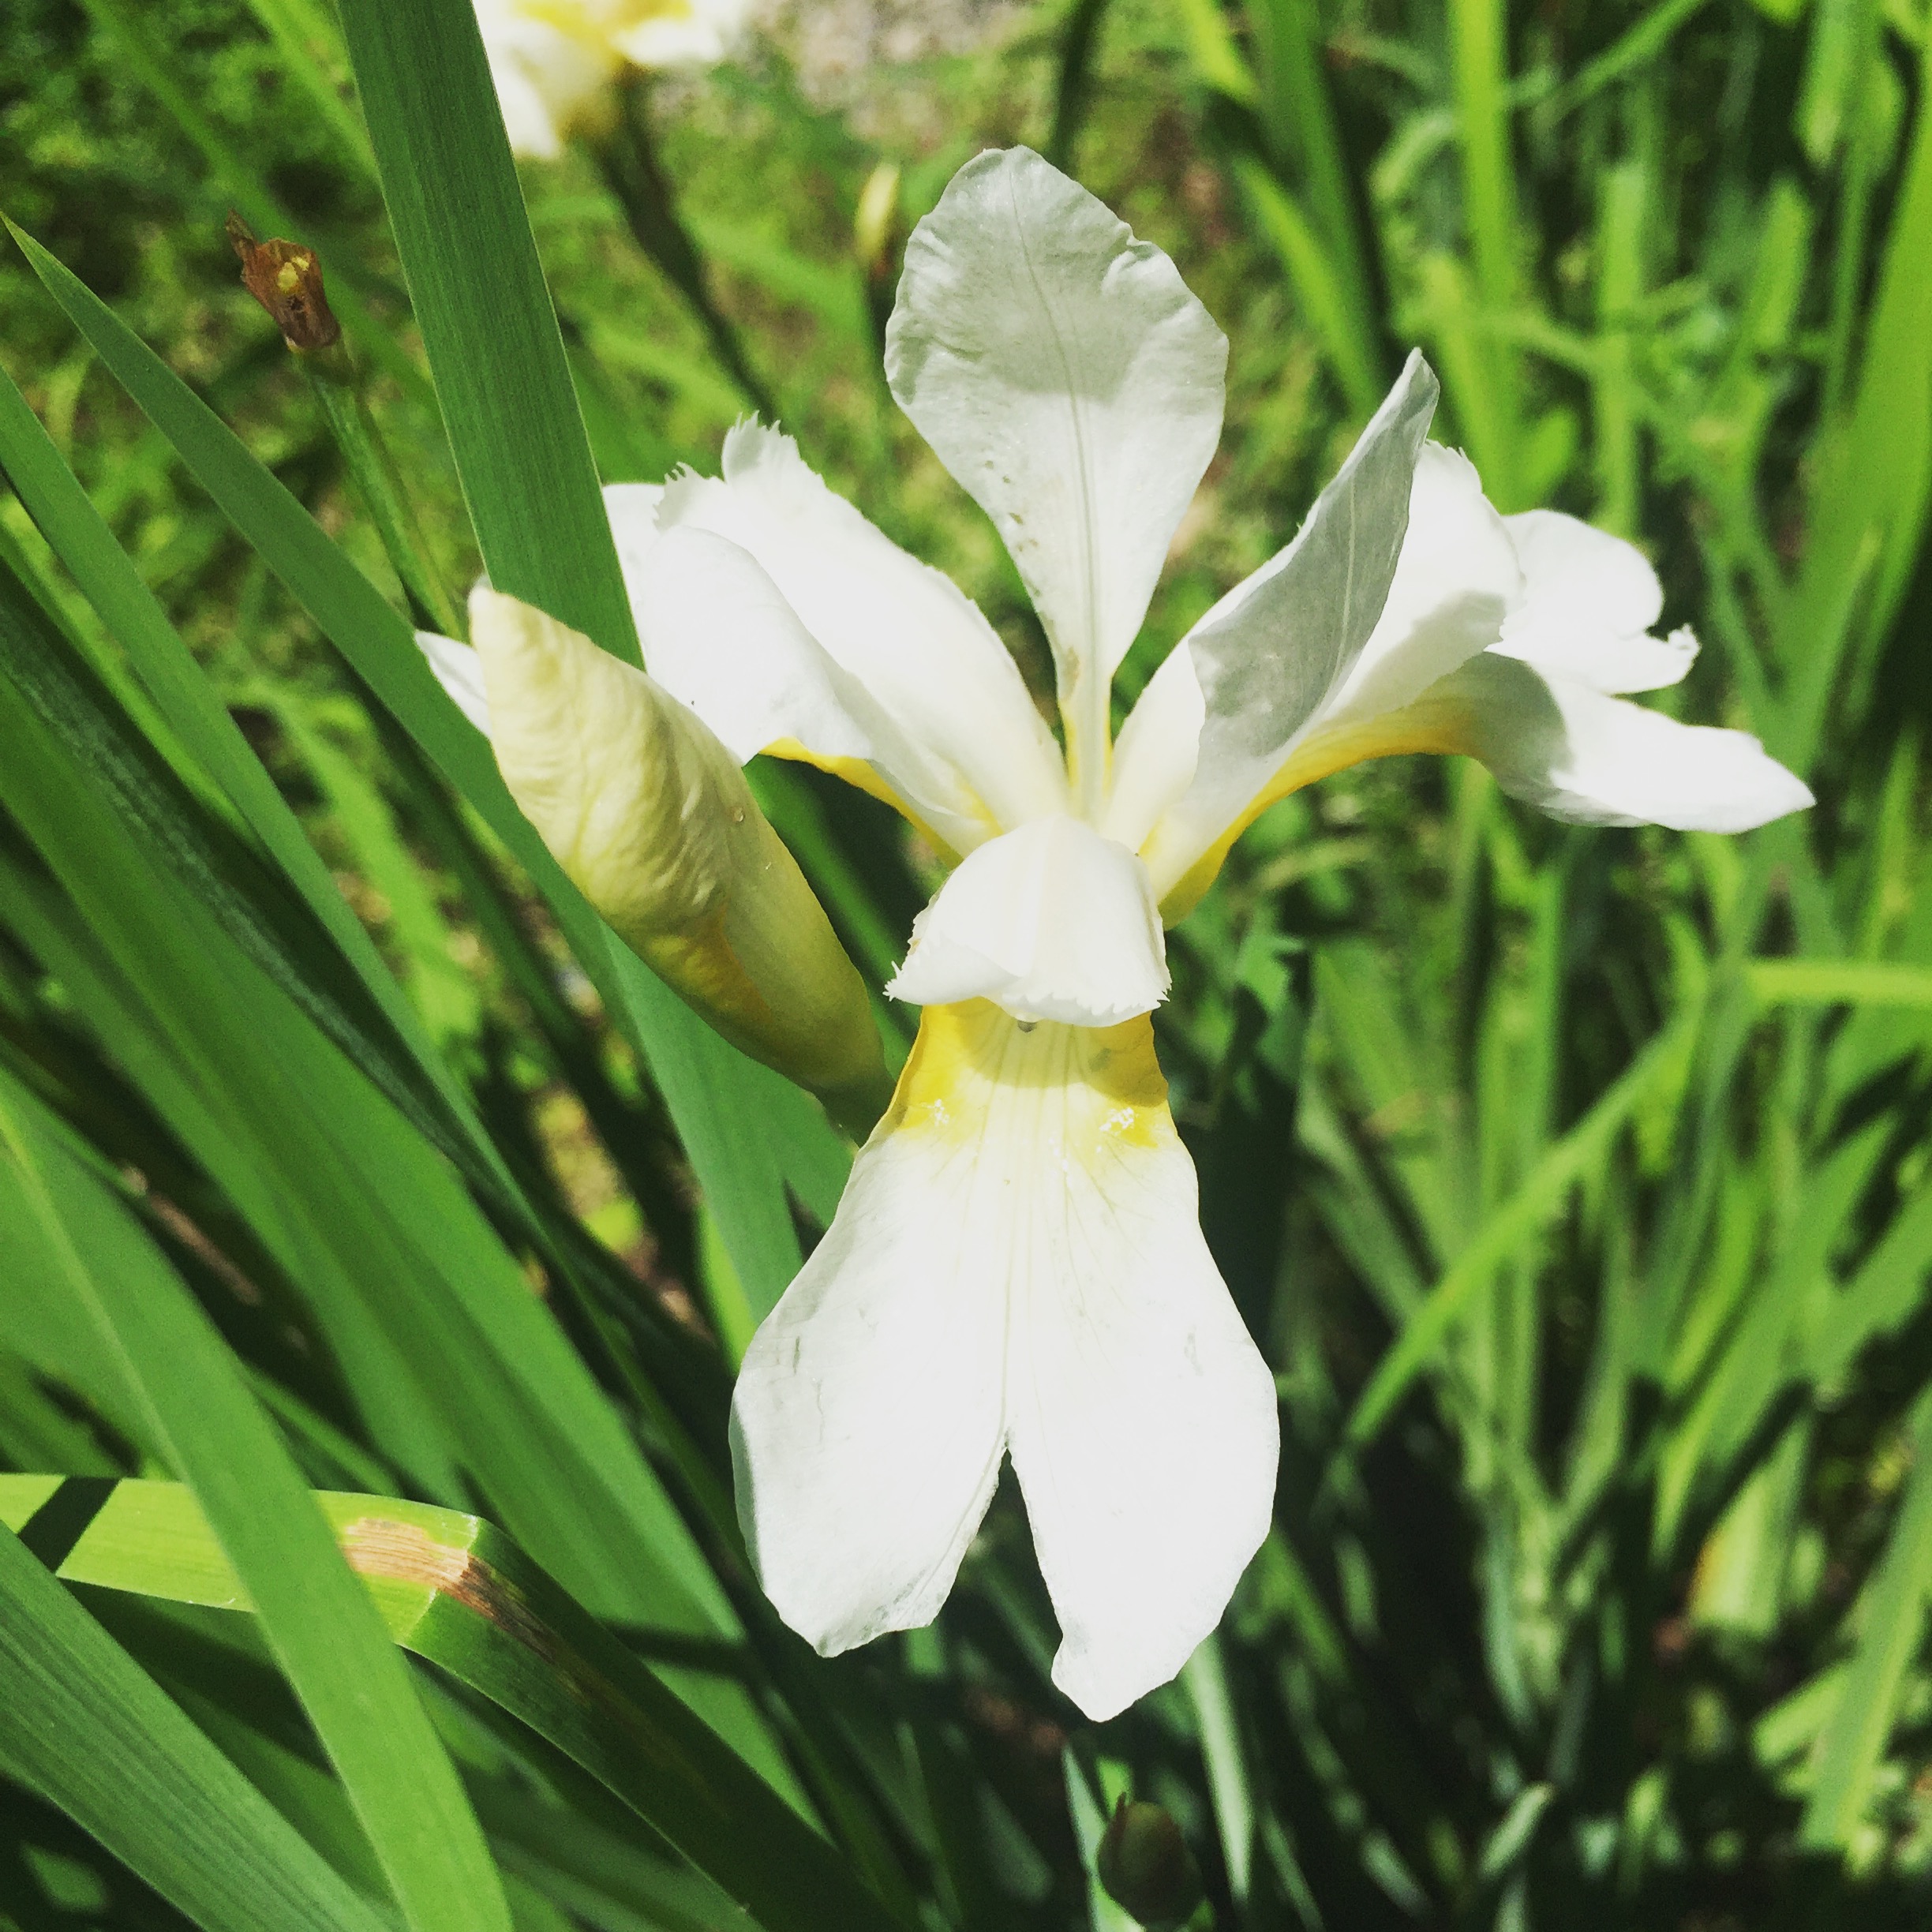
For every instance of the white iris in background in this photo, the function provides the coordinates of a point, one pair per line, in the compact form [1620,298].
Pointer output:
[1016,1268]
[554,61]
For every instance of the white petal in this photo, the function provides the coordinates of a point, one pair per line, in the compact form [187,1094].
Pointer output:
[1072,384]
[1580,755]
[459,670]
[1274,650]
[1589,599]
[718,634]
[546,78]
[1017,1251]
[1052,922]
[695,33]
[1458,578]
[908,635]
[1155,755]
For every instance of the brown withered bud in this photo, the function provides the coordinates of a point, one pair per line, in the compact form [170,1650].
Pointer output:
[286,278]
[1145,1865]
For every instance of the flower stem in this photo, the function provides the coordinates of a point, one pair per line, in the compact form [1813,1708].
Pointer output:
[628,157]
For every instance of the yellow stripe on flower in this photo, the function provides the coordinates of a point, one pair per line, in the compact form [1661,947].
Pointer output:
[976,1071]
[1441,725]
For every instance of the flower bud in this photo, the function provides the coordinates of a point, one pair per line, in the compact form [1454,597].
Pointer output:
[286,279]
[653,820]
[1146,1867]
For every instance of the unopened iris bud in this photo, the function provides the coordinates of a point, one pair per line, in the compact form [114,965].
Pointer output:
[1145,1865]
[652,818]
[286,279]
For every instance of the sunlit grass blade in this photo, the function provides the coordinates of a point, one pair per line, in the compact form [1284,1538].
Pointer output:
[1542,1192]
[319,1623]
[1888,1620]
[133,616]
[485,314]
[452,1590]
[1318,283]
[88,1728]
[1874,482]
[1839,982]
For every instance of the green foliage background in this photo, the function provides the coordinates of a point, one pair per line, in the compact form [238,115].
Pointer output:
[1574,1181]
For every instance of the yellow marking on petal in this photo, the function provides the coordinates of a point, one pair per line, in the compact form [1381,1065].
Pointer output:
[1442,726]
[596,26]
[864,776]
[976,1070]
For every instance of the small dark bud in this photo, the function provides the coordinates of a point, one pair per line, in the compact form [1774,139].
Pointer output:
[286,279]
[1146,1867]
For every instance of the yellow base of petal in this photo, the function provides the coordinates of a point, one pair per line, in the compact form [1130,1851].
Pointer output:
[1425,726]
[973,1059]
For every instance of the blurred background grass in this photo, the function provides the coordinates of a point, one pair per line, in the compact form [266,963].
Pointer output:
[1590,1249]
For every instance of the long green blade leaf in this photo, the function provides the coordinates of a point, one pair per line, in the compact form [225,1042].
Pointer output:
[321,1626]
[87,1728]
[479,295]
[452,1588]
[723,1103]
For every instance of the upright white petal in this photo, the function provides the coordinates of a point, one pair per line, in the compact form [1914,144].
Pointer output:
[1456,578]
[1157,752]
[1579,754]
[916,643]
[1589,601]
[1052,922]
[717,634]
[1073,385]
[1273,652]
[1017,1257]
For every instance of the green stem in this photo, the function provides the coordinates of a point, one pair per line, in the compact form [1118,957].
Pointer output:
[628,157]
[1298,123]
[1074,90]
[374,472]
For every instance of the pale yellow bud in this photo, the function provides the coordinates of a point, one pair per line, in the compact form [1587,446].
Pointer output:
[652,818]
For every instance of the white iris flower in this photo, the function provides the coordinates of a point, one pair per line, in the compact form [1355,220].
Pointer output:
[1016,1268]
[554,61]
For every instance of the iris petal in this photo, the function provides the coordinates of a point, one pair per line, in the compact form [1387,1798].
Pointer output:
[1017,1260]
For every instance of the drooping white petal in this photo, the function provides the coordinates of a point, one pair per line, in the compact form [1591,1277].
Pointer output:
[1065,375]
[1050,922]
[1581,754]
[1589,601]
[1018,1253]
[917,644]
[717,633]
[1273,651]
[459,670]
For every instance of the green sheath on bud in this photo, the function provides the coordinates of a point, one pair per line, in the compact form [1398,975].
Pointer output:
[1145,1865]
